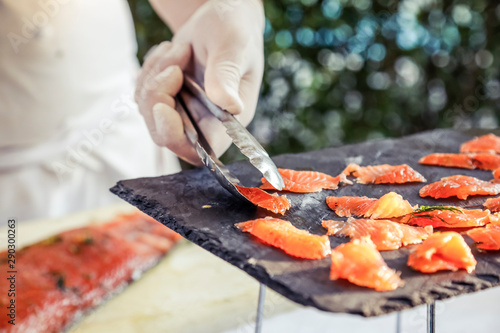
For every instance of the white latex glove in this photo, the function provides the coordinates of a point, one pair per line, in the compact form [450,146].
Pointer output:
[222,47]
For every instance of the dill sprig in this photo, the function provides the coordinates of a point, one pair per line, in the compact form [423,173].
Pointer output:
[424,209]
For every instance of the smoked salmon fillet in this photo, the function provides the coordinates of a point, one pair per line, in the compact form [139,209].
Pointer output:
[283,235]
[496,173]
[385,234]
[489,143]
[442,251]
[448,217]
[465,161]
[487,238]
[384,174]
[460,187]
[389,205]
[277,204]
[64,276]
[360,263]
[493,204]
[306,181]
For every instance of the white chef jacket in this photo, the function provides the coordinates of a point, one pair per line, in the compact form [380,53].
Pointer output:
[69,128]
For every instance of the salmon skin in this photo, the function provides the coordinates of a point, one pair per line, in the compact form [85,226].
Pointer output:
[442,251]
[360,263]
[283,235]
[277,204]
[385,234]
[460,187]
[487,238]
[489,143]
[384,174]
[448,217]
[465,161]
[306,181]
[493,204]
[64,276]
[389,205]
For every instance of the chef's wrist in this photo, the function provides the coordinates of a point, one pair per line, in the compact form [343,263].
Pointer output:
[248,9]
[175,12]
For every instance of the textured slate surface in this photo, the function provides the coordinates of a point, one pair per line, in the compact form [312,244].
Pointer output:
[177,201]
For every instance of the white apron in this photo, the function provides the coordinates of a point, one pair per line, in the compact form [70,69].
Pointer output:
[69,128]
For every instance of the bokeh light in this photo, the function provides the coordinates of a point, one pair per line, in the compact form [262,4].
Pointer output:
[341,71]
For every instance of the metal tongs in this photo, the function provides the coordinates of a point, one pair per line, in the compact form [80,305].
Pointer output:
[247,144]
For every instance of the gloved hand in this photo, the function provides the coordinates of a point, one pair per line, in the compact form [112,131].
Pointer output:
[222,48]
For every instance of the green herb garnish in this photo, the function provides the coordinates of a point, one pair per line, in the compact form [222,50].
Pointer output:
[52,240]
[88,240]
[60,280]
[423,209]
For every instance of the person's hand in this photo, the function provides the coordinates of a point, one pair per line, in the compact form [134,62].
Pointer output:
[222,48]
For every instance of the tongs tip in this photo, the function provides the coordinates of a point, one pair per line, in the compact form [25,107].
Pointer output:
[274,178]
[247,144]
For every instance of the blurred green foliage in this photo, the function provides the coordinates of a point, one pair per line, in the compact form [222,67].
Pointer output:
[341,71]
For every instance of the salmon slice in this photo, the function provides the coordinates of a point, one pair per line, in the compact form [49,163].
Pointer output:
[283,235]
[448,217]
[496,173]
[277,204]
[389,205]
[493,204]
[360,263]
[448,160]
[384,174]
[442,251]
[460,187]
[306,181]
[486,238]
[385,234]
[489,143]
[465,161]
[350,206]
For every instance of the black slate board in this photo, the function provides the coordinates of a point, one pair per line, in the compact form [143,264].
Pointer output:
[180,202]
